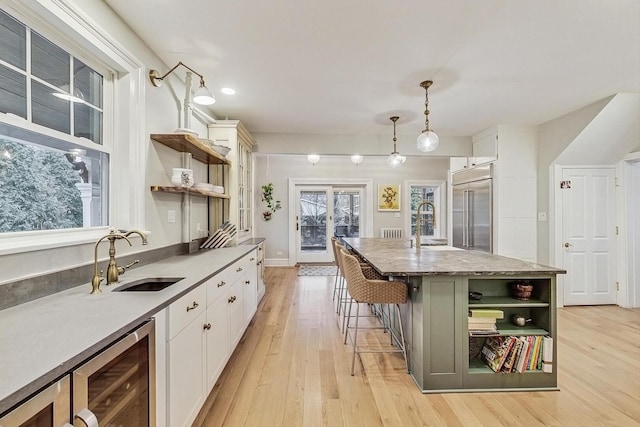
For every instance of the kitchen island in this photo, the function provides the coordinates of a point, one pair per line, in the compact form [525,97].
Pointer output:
[443,356]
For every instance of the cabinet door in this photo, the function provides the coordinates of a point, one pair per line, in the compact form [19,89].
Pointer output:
[250,294]
[236,313]
[187,373]
[458,163]
[261,287]
[217,338]
[485,149]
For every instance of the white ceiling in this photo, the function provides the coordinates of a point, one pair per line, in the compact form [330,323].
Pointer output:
[344,67]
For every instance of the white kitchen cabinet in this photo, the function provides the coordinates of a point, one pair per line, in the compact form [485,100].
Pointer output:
[186,358]
[217,339]
[250,292]
[204,327]
[234,135]
[458,163]
[261,286]
[236,313]
[485,150]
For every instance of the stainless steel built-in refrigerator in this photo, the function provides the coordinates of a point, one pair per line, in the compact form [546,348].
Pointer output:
[472,208]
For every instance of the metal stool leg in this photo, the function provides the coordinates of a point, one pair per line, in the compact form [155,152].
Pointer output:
[403,343]
[355,341]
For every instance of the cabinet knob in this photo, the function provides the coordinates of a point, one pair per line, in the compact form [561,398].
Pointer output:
[252,259]
[567,244]
[207,326]
[247,282]
[232,299]
[193,306]
[239,269]
[221,284]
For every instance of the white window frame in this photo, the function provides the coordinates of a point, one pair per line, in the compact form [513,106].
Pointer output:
[440,202]
[65,25]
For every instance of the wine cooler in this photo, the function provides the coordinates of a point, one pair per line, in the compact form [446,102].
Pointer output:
[116,388]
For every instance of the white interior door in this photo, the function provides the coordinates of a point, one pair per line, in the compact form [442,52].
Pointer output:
[588,231]
[314,224]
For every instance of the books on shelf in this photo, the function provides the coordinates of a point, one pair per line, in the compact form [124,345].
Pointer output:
[482,326]
[486,312]
[495,351]
[547,355]
[519,354]
[522,356]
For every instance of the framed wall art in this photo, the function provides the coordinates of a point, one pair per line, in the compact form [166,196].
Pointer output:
[389,197]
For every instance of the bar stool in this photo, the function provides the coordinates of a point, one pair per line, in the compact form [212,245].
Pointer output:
[363,290]
[339,281]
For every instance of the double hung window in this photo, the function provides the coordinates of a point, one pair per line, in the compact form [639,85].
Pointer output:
[430,219]
[54,162]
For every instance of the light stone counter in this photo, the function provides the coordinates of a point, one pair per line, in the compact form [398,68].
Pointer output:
[396,257]
[45,338]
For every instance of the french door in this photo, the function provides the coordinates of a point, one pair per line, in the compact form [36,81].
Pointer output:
[322,212]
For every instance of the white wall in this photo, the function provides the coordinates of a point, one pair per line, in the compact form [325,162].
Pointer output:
[284,167]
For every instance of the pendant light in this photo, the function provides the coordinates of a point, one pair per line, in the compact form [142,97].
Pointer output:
[395,159]
[313,158]
[357,159]
[427,140]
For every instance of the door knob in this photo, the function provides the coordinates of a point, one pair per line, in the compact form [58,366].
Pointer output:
[567,244]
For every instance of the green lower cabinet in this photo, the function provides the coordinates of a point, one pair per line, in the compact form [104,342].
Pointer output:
[442,355]
[437,308]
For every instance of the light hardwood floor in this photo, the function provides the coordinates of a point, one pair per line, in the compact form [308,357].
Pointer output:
[291,369]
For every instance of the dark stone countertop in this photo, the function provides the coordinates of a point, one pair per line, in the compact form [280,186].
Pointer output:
[396,257]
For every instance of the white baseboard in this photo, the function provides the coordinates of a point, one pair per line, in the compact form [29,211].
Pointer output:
[277,262]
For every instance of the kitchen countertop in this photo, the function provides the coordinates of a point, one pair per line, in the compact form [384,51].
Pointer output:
[396,257]
[45,338]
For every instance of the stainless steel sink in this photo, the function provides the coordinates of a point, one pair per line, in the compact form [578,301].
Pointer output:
[149,284]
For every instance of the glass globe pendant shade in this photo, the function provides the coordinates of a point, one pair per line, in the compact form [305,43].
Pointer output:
[357,159]
[395,159]
[313,158]
[427,141]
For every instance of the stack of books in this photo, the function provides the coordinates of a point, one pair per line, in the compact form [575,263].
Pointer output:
[482,322]
[519,354]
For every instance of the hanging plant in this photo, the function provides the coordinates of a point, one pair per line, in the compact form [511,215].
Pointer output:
[267,196]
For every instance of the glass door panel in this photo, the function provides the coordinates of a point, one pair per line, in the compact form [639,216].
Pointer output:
[346,212]
[116,386]
[313,222]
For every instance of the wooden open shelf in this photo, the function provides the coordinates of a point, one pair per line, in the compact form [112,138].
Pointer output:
[190,144]
[181,190]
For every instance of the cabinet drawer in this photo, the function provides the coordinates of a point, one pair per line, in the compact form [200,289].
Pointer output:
[239,268]
[186,309]
[219,284]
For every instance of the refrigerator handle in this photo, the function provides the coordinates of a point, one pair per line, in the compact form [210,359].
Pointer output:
[470,219]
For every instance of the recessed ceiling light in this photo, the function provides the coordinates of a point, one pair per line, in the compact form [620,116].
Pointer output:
[228,91]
